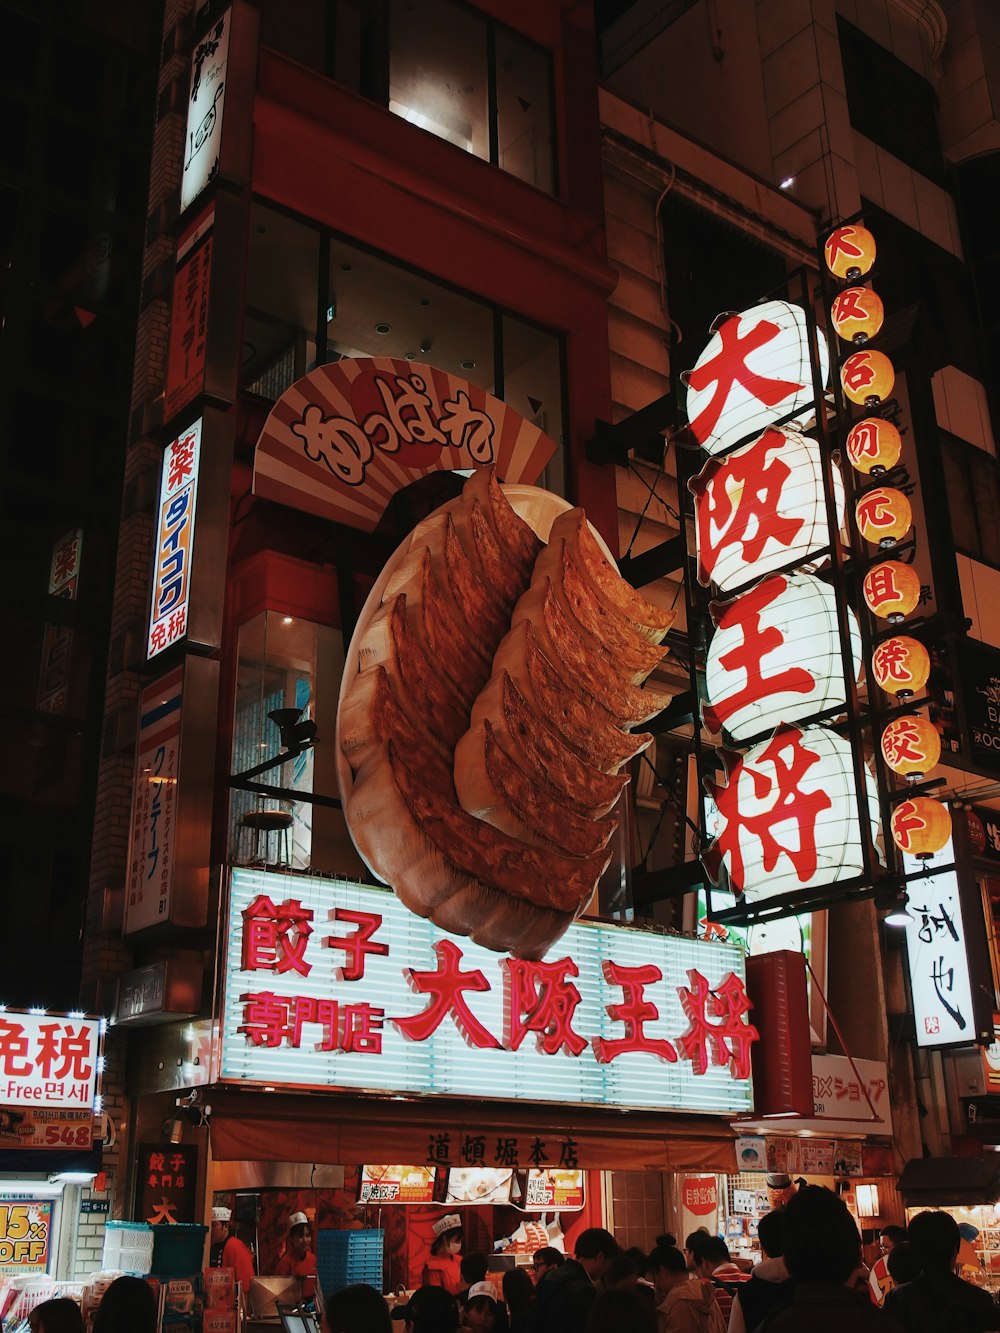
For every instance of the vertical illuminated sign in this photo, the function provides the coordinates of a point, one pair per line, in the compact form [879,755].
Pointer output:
[154,803]
[936,950]
[206,100]
[174,541]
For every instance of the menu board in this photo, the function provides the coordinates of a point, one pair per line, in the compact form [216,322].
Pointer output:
[556,1188]
[479,1184]
[397,1184]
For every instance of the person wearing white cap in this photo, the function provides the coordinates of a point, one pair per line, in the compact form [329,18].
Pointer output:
[444,1267]
[228,1251]
[481,1308]
[299,1260]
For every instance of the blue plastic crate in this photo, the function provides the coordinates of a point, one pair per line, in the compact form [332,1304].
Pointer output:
[344,1258]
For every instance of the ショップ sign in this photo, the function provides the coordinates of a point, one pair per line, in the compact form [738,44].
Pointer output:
[206,100]
[335,984]
[175,541]
[49,1061]
[25,1229]
[167,1174]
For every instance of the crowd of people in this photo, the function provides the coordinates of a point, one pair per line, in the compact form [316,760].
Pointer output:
[810,1279]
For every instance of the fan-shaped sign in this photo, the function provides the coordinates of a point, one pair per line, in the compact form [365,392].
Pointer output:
[341,441]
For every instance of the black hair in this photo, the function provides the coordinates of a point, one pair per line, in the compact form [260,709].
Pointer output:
[667,1238]
[935,1238]
[621,1267]
[473,1268]
[714,1250]
[771,1233]
[518,1290]
[595,1241]
[433,1310]
[128,1306]
[357,1309]
[439,1242]
[620,1309]
[668,1257]
[894,1233]
[822,1243]
[550,1256]
[902,1263]
[695,1242]
[60,1315]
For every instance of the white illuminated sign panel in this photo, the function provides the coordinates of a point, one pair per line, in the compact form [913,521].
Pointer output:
[49,1061]
[935,947]
[332,984]
[174,541]
[206,100]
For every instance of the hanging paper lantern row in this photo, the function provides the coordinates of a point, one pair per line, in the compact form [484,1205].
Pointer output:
[858,314]
[776,657]
[891,590]
[911,746]
[849,252]
[867,377]
[883,516]
[874,446]
[901,666]
[761,508]
[920,826]
[754,370]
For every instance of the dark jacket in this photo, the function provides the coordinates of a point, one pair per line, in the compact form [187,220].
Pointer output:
[562,1300]
[760,1296]
[942,1303]
[822,1307]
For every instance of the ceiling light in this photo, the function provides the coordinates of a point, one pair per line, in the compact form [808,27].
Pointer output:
[468,365]
[411,356]
[383,328]
[787,183]
[288,620]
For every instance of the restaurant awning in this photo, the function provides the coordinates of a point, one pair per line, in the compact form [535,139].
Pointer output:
[935,1181]
[341,1131]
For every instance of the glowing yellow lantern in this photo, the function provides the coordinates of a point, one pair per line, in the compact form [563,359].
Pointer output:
[883,516]
[849,252]
[911,746]
[901,666]
[858,314]
[891,590]
[867,377]
[920,826]
[874,446]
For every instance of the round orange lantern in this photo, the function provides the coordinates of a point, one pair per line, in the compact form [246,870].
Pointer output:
[891,590]
[874,446]
[920,826]
[867,377]
[901,666]
[857,314]
[883,516]
[849,252]
[911,746]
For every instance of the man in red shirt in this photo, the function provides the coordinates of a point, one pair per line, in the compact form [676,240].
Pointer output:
[228,1251]
[299,1260]
[717,1270]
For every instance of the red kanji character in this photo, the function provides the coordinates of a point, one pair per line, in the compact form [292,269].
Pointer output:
[72,1049]
[538,998]
[310,1010]
[875,510]
[158,638]
[727,1042]
[446,986]
[839,243]
[265,1017]
[729,367]
[778,800]
[880,586]
[712,930]
[634,1012]
[65,561]
[357,944]
[859,373]
[902,744]
[864,441]
[737,503]
[157,1161]
[363,1029]
[275,938]
[748,656]
[180,463]
[848,306]
[889,660]
[176,625]
[48,1047]
[14,1048]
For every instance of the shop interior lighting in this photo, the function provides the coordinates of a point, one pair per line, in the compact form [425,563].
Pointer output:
[72,1177]
[867,1200]
[787,183]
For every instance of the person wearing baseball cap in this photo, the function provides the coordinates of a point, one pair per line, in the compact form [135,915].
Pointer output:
[299,1260]
[444,1267]
[227,1250]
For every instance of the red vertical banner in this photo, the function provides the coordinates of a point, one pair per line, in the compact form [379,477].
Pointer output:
[189,316]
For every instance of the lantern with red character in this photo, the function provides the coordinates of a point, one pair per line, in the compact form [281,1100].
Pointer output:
[858,314]
[892,590]
[883,516]
[874,446]
[901,666]
[911,746]
[867,377]
[920,826]
[849,252]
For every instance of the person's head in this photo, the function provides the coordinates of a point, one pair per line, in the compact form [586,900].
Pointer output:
[222,1220]
[712,1252]
[57,1316]
[668,1268]
[481,1307]
[431,1310]
[299,1236]
[473,1268]
[935,1238]
[822,1242]
[622,1271]
[447,1235]
[693,1246]
[667,1238]
[358,1309]
[902,1263]
[128,1306]
[594,1250]
[771,1233]
[545,1259]
[620,1309]
[889,1237]
[517,1291]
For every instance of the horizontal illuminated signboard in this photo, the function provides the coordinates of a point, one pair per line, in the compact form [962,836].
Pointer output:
[397,1184]
[49,1060]
[332,984]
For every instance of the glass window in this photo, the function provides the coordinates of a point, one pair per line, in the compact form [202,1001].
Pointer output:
[972,481]
[287,685]
[524,110]
[438,71]
[279,329]
[532,385]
